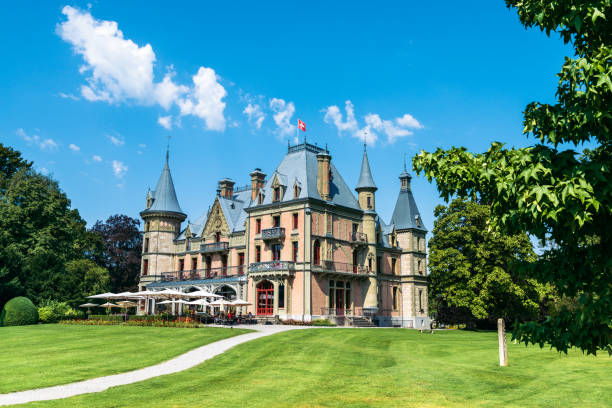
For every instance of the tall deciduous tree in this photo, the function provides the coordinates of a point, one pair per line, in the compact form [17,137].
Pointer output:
[122,247]
[473,273]
[548,189]
[39,232]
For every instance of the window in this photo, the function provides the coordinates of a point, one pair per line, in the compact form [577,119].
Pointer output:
[295,221]
[317,253]
[339,297]
[395,298]
[194,264]
[276,252]
[146,245]
[181,264]
[241,263]
[188,244]
[145,267]
[419,269]
[296,191]
[276,194]
[281,296]
[421,300]
[369,202]
[295,251]
[208,265]
[379,265]
[265,298]
[330,224]
[393,261]
[217,236]
[276,221]
[258,226]
[370,264]
[355,261]
[224,265]
[260,199]
[257,253]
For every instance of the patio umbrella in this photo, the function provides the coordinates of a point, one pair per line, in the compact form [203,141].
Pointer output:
[240,302]
[171,293]
[125,295]
[88,306]
[203,294]
[221,302]
[199,302]
[108,306]
[107,295]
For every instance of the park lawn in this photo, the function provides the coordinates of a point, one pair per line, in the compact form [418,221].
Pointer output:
[372,368]
[43,355]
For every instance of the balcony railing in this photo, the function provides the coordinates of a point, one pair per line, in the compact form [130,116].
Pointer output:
[342,267]
[359,237]
[206,273]
[273,233]
[214,247]
[272,266]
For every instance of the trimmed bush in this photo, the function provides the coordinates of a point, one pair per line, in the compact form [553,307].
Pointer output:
[19,311]
[322,322]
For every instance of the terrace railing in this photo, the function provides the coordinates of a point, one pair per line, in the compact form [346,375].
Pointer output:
[206,273]
[214,247]
[359,237]
[273,233]
[272,266]
[342,267]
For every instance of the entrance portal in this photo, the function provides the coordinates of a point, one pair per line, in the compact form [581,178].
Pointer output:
[265,298]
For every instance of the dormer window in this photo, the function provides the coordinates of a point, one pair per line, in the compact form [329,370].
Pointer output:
[296,191]
[260,199]
[277,194]
[188,244]
[217,236]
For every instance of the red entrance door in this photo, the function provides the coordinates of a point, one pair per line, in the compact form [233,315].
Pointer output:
[265,298]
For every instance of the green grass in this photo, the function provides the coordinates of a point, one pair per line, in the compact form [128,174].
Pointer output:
[372,368]
[44,355]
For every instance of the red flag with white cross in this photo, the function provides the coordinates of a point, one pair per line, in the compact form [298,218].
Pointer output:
[301,125]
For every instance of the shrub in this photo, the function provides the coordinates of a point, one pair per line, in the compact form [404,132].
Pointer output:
[52,311]
[18,311]
[322,322]
[295,322]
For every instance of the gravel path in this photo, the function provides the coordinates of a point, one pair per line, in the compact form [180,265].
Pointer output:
[180,363]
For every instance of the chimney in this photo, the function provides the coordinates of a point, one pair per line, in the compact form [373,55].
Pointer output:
[227,188]
[324,175]
[257,182]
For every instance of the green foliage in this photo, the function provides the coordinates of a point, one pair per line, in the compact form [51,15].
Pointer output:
[18,311]
[83,278]
[473,275]
[52,311]
[549,190]
[322,322]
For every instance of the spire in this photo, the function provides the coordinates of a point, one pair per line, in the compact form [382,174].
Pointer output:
[406,214]
[164,196]
[405,177]
[365,177]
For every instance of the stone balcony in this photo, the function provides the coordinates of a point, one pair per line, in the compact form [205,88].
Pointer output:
[272,268]
[273,234]
[359,238]
[214,247]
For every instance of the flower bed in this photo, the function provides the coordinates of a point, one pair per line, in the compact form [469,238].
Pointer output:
[182,322]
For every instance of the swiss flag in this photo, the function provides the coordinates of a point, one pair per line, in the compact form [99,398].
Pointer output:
[301,125]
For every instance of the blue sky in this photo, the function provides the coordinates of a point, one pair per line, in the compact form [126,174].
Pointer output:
[91,91]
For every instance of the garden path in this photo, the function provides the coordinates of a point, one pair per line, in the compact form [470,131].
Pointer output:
[180,363]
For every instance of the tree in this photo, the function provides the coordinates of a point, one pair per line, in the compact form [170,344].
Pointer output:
[548,190]
[39,233]
[122,247]
[83,278]
[473,271]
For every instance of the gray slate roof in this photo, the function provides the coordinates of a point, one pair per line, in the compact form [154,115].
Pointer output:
[365,177]
[300,165]
[406,212]
[164,196]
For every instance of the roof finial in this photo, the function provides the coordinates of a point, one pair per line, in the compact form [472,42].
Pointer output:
[405,162]
[168,149]
[365,132]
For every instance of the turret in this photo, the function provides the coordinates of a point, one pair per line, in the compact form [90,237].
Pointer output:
[366,186]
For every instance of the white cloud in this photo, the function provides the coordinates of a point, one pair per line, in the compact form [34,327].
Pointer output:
[283,111]
[96,158]
[165,122]
[374,124]
[408,121]
[116,140]
[255,114]
[68,96]
[333,115]
[119,70]
[142,145]
[43,144]
[119,169]
[205,100]
[74,147]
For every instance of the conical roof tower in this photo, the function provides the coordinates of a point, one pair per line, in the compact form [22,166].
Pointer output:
[164,197]
[406,214]
[366,181]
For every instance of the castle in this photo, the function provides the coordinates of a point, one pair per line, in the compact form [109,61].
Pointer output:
[296,245]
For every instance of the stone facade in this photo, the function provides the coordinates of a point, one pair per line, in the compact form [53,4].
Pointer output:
[297,245]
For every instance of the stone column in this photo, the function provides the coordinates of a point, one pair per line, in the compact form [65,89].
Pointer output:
[275,285]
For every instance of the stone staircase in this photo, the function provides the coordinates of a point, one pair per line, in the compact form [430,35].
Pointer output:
[359,321]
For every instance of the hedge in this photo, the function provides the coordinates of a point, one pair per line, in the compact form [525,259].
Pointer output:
[18,311]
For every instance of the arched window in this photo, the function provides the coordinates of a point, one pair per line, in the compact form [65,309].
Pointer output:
[265,298]
[317,253]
